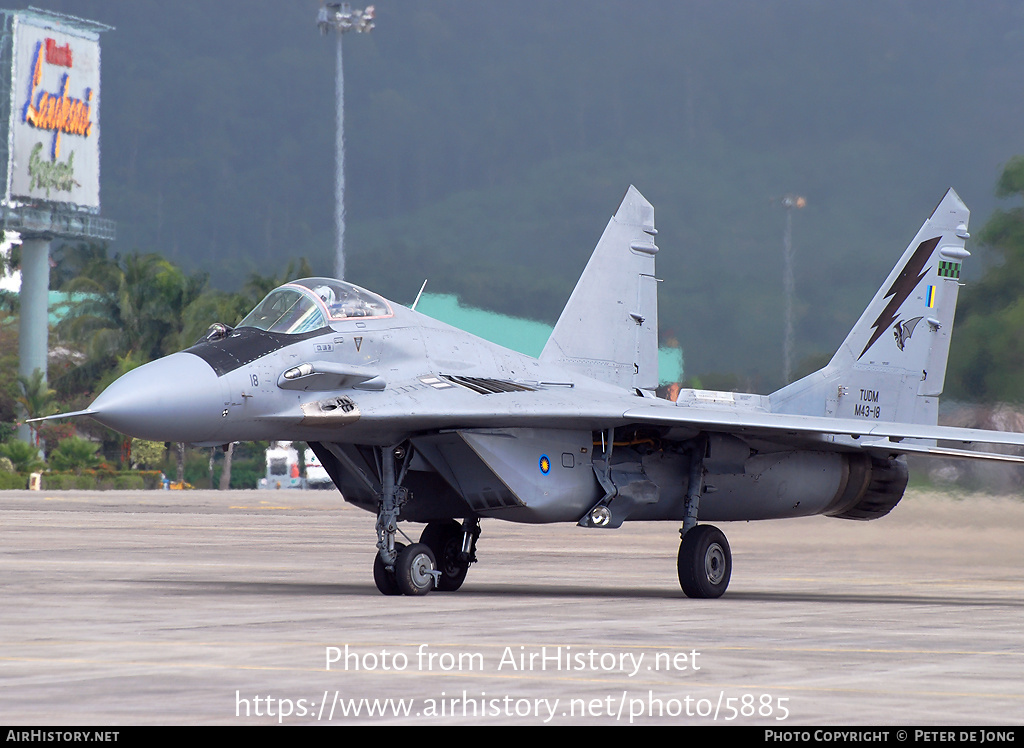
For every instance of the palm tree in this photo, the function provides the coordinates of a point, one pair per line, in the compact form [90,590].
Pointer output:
[213,306]
[37,399]
[24,457]
[131,307]
[75,453]
[258,286]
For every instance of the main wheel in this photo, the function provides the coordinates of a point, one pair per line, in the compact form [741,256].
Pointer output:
[445,540]
[413,570]
[705,562]
[384,579]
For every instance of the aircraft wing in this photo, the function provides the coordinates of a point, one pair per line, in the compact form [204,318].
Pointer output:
[457,408]
[884,436]
[429,409]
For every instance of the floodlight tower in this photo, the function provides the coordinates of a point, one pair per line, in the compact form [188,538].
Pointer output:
[790,203]
[341,18]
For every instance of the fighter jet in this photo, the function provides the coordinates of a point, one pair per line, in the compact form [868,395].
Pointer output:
[420,422]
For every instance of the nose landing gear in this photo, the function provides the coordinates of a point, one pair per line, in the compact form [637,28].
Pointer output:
[454,547]
[446,549]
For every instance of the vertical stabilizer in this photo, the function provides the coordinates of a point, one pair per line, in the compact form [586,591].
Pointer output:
[609,328]
[892,365]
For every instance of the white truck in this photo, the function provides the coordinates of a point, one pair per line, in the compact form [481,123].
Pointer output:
[283,469]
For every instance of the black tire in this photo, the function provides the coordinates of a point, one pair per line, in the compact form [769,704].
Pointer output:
[384,579]
[412,570]
[705,562]
[445,540]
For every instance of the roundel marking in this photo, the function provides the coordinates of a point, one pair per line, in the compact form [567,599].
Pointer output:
[544,464]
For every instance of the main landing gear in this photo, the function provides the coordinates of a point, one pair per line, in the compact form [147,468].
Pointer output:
[705,560]
[441,558]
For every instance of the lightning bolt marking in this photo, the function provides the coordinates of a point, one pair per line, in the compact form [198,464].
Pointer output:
[901,288]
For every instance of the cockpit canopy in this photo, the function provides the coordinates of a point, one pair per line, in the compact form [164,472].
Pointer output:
[311,303]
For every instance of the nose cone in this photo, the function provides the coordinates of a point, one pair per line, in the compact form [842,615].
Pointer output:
[175,399]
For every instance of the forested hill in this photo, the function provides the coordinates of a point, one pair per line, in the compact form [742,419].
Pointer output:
[490,141]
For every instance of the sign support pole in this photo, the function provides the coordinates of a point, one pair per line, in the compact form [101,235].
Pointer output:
[33,324]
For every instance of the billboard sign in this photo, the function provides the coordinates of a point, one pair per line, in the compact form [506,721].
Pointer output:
[54,131]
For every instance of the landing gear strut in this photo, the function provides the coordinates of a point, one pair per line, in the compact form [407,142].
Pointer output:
[398,569]
[440,560]
[705,560]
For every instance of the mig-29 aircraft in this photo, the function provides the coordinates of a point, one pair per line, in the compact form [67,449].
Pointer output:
[415,420]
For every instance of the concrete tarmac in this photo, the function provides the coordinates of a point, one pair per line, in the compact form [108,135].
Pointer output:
[205,607]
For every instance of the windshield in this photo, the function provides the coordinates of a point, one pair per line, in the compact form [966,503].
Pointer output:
[286,310]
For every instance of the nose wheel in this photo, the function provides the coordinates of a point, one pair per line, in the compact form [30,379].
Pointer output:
[384,577]
[413,573]
[705,562]
[416,570]
[454,547]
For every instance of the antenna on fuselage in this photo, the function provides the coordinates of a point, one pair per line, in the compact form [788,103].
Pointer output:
[413,307]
